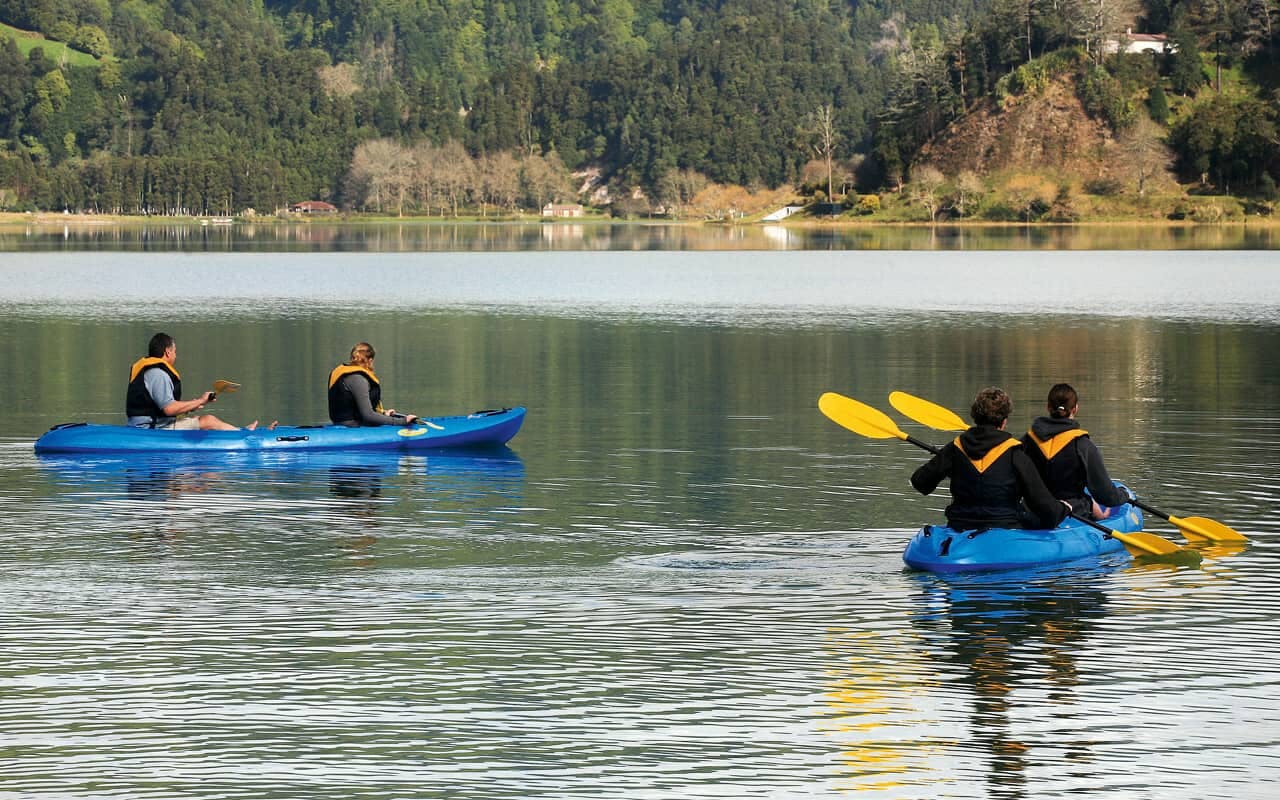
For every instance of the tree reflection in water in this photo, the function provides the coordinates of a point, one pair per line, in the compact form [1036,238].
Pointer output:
[1015,638]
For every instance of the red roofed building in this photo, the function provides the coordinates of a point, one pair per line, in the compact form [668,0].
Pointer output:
[313,207]
[1139,43]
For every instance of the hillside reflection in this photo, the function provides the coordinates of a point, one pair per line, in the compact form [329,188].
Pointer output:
[442,236]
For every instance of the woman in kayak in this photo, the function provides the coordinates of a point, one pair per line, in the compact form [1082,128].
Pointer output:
[1067,459]
[355,395]
[990,474]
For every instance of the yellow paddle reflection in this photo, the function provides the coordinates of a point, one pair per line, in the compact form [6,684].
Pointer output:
[880,696]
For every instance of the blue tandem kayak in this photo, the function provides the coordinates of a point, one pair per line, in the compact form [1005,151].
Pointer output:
[937,548]
[479,429]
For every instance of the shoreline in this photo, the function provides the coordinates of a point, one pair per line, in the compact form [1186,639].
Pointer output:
[11,219]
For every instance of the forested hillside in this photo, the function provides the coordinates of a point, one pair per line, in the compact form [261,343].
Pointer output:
[217,106]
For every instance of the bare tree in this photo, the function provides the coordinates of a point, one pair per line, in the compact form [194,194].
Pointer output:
[424,181]
[926,183]
[340,80]
[544,179]
[374,167]
[969,188]
[456,172]
[1146,154]
[677,187]
[820,128]
[1099,21]
[499,178]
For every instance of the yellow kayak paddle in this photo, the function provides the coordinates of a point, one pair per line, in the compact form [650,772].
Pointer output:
[224,387]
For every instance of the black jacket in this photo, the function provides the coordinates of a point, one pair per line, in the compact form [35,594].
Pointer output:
[990,493]
[1068,461]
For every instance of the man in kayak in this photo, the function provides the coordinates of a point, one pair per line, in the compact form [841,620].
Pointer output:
[154,398]
[1067,459]
[990,473]
[355,394]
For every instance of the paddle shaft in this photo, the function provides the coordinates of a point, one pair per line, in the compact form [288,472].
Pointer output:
[1197,527]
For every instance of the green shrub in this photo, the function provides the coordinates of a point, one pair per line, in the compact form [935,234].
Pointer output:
[1158,105]
[1104,98]
[1103,187]
[1035,75]
[1001,212]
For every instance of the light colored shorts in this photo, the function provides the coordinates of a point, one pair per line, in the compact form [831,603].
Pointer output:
[184,424]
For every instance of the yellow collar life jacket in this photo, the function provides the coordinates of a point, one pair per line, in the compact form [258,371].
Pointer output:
[1054,444]
[981,464]
[342,370]
[143,363]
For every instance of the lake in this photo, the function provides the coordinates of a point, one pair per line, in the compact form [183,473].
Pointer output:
[680,579]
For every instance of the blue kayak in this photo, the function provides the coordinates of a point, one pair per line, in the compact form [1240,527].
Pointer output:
[480,429]
[937,548]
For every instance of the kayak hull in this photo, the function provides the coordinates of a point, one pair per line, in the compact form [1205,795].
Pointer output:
[937,548]
[479,429]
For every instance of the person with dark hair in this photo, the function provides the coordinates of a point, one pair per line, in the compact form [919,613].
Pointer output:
[154,397]
[1067,459]
[993,482]
[355,394]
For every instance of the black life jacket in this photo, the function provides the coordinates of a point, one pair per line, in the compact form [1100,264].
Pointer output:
[1060,465]
[984,491]
[137,400]
[342,406]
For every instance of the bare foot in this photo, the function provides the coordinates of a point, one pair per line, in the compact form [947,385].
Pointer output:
[273,424]
[251,426]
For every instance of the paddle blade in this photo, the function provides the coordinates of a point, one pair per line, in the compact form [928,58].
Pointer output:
[859,417]
[1146,544]
[224,387]
[926,413]
[1204,528]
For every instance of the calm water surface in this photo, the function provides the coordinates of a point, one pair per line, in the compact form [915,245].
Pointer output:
[679,580]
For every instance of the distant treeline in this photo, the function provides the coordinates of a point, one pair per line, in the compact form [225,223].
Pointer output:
[220,105]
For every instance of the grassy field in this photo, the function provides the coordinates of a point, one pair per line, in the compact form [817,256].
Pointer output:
[58,51]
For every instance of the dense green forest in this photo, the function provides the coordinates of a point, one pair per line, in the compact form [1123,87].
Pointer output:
[214,107]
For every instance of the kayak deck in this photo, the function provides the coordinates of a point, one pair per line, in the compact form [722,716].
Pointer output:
[481,428]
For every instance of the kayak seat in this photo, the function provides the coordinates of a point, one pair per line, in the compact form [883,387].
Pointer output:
[64,425]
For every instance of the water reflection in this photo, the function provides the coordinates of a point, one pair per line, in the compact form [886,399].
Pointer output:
[355,480]
[1007,631]
[447,236]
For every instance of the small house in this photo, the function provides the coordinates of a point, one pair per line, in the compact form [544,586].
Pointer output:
[313,207]
[1157,43]
[563,210]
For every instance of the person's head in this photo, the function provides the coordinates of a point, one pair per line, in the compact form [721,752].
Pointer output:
[1063,401]
[991,407]
[362,355]
[159,345]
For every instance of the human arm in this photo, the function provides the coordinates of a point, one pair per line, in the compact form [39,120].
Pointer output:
[358,385]
[1040,501]
[927,477]
[160,387]
[1101,487]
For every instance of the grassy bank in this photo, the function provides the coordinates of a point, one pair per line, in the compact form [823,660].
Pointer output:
[59,52]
